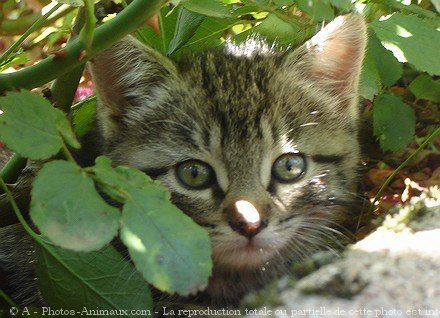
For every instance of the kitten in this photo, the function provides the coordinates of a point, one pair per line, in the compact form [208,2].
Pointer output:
[256,144]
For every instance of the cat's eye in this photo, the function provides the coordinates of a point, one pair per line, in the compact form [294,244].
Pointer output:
[195,174]
[288,167]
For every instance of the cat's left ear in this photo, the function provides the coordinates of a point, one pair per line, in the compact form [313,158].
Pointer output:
[333,57]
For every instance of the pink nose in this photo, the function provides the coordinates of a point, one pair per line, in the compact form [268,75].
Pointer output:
[245,219]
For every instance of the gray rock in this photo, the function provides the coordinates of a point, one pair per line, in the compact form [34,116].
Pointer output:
[393,272]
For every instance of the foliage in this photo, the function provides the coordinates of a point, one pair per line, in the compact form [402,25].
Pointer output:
[101,279]
[67,208]
[394,39]
[32,127]
[393,135]
[169,250]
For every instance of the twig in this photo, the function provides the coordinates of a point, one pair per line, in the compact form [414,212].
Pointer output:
[54,66]
[404,164]
[20,25]
[37,24]
[7,299]
[18,213]
[13,168]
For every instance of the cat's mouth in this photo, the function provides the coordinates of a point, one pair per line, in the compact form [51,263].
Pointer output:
[241,252]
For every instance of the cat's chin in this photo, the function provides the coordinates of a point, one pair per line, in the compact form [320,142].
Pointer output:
[242,253]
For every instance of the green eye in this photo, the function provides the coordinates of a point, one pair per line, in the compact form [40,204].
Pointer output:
[195,174]
[288,167]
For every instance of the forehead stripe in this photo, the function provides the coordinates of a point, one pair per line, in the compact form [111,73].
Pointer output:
[335,159]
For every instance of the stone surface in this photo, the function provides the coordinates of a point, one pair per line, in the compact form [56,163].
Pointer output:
[394,272]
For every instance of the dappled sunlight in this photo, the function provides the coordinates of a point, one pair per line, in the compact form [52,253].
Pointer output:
[397,51]
[52,5]
[423,243]
[134,241]
[385,17]
[359,7]
[401,31]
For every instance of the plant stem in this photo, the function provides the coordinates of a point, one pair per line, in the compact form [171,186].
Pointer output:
[37,24]
[18,213]
[404,164]
[63,92]
[162,32]
[54,66]
[64,87]
[67,154]
[13,168]
[20,25]
[86,34]
[7,299]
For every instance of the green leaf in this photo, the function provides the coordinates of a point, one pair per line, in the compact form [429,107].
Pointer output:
[406,8]
[393,122]
[208,34]
[148,36]
[419,10]
[380,67]
[65,129]
[411,40]
[29,125]
[73,3]
[19,57]
[436,4]
[342,4]
[169,249]
[425,87]
[319,10]
[118,182]
[101,280]
[282,3]
[167,21]
[274,29]
[369,83]
[390,70]
[186,25]
[68,210]
[240,11]
[210,8]
[83,116]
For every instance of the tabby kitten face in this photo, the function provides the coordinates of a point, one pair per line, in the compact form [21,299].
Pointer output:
[258,146]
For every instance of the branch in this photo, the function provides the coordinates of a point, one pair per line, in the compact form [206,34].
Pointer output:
[427,141]
[64,87]
[31,29]
[54,66]
[19,26]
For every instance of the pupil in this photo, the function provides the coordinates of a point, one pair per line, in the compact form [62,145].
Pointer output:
[290,164]
[194,171]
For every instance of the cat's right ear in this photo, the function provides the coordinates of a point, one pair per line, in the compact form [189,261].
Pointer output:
[128,77]
[333,57]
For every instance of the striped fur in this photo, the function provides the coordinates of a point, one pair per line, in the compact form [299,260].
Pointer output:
[238,110]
